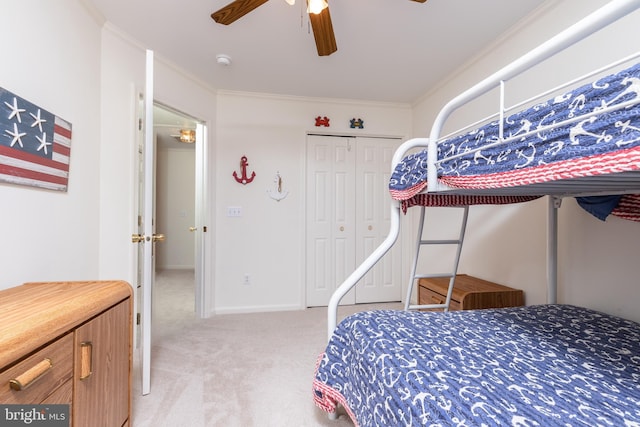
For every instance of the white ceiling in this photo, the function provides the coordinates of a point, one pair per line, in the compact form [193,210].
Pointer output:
[388,50]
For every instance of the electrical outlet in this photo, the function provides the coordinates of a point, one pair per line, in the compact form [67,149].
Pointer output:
[247,280]
[234,211]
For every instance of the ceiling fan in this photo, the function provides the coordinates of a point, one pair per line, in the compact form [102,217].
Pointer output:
[318,15]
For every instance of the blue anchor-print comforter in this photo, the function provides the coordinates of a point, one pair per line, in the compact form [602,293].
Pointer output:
[592,145]
[548,365]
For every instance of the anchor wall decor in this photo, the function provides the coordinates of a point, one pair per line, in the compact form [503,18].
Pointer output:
[278,193]
[244,179]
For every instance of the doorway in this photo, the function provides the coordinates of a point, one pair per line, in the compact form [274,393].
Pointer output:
[177,284]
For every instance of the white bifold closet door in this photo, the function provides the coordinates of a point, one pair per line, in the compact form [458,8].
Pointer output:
[347,217]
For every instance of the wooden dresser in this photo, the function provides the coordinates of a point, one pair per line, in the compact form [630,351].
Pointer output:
[468,293]
[69,343]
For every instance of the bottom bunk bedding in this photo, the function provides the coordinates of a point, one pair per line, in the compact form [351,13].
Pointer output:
[547,365]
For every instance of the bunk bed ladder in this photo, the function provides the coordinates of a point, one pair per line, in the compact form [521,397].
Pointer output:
[414,277]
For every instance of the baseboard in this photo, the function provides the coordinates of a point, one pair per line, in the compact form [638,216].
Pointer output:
[255,309]
[175,267]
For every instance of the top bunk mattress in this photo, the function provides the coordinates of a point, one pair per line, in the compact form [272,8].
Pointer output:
[588,131]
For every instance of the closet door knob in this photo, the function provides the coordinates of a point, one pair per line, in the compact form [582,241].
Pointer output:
[370,227]
[342,228]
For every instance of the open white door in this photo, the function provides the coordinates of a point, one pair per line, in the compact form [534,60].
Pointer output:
[146,237]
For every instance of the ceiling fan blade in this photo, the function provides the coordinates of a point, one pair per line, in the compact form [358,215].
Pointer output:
[323,32]
[421,1]
[235,10]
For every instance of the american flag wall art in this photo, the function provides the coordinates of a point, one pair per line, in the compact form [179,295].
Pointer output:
[35,145]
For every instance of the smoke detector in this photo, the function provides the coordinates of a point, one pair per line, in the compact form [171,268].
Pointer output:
[223,59]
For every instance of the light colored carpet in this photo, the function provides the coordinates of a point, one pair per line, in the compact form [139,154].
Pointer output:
[173,302]
[232,370]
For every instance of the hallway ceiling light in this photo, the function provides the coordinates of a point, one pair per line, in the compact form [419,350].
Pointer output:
[187,136]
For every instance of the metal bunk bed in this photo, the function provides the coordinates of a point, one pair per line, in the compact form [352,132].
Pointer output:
[625,182]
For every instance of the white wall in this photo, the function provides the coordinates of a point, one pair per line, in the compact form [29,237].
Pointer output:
[267,242]
[51,57]
[175,207]
[507,244]
[123,68]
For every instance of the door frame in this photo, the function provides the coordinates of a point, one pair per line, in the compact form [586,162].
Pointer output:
[201,219]
[200,223]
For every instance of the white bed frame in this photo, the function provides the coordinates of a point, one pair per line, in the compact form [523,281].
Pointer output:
[628,182]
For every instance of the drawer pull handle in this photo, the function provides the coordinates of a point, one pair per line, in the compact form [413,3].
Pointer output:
[86,360]
[30,376]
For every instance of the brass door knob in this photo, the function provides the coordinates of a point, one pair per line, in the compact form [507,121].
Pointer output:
[192,229]
[158,238]
[137,238]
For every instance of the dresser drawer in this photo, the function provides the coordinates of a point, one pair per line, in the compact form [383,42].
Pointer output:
[428,296]
[38,377]
[62,395]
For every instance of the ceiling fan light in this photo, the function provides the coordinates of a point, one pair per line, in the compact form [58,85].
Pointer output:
[316,6]
[291,2]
